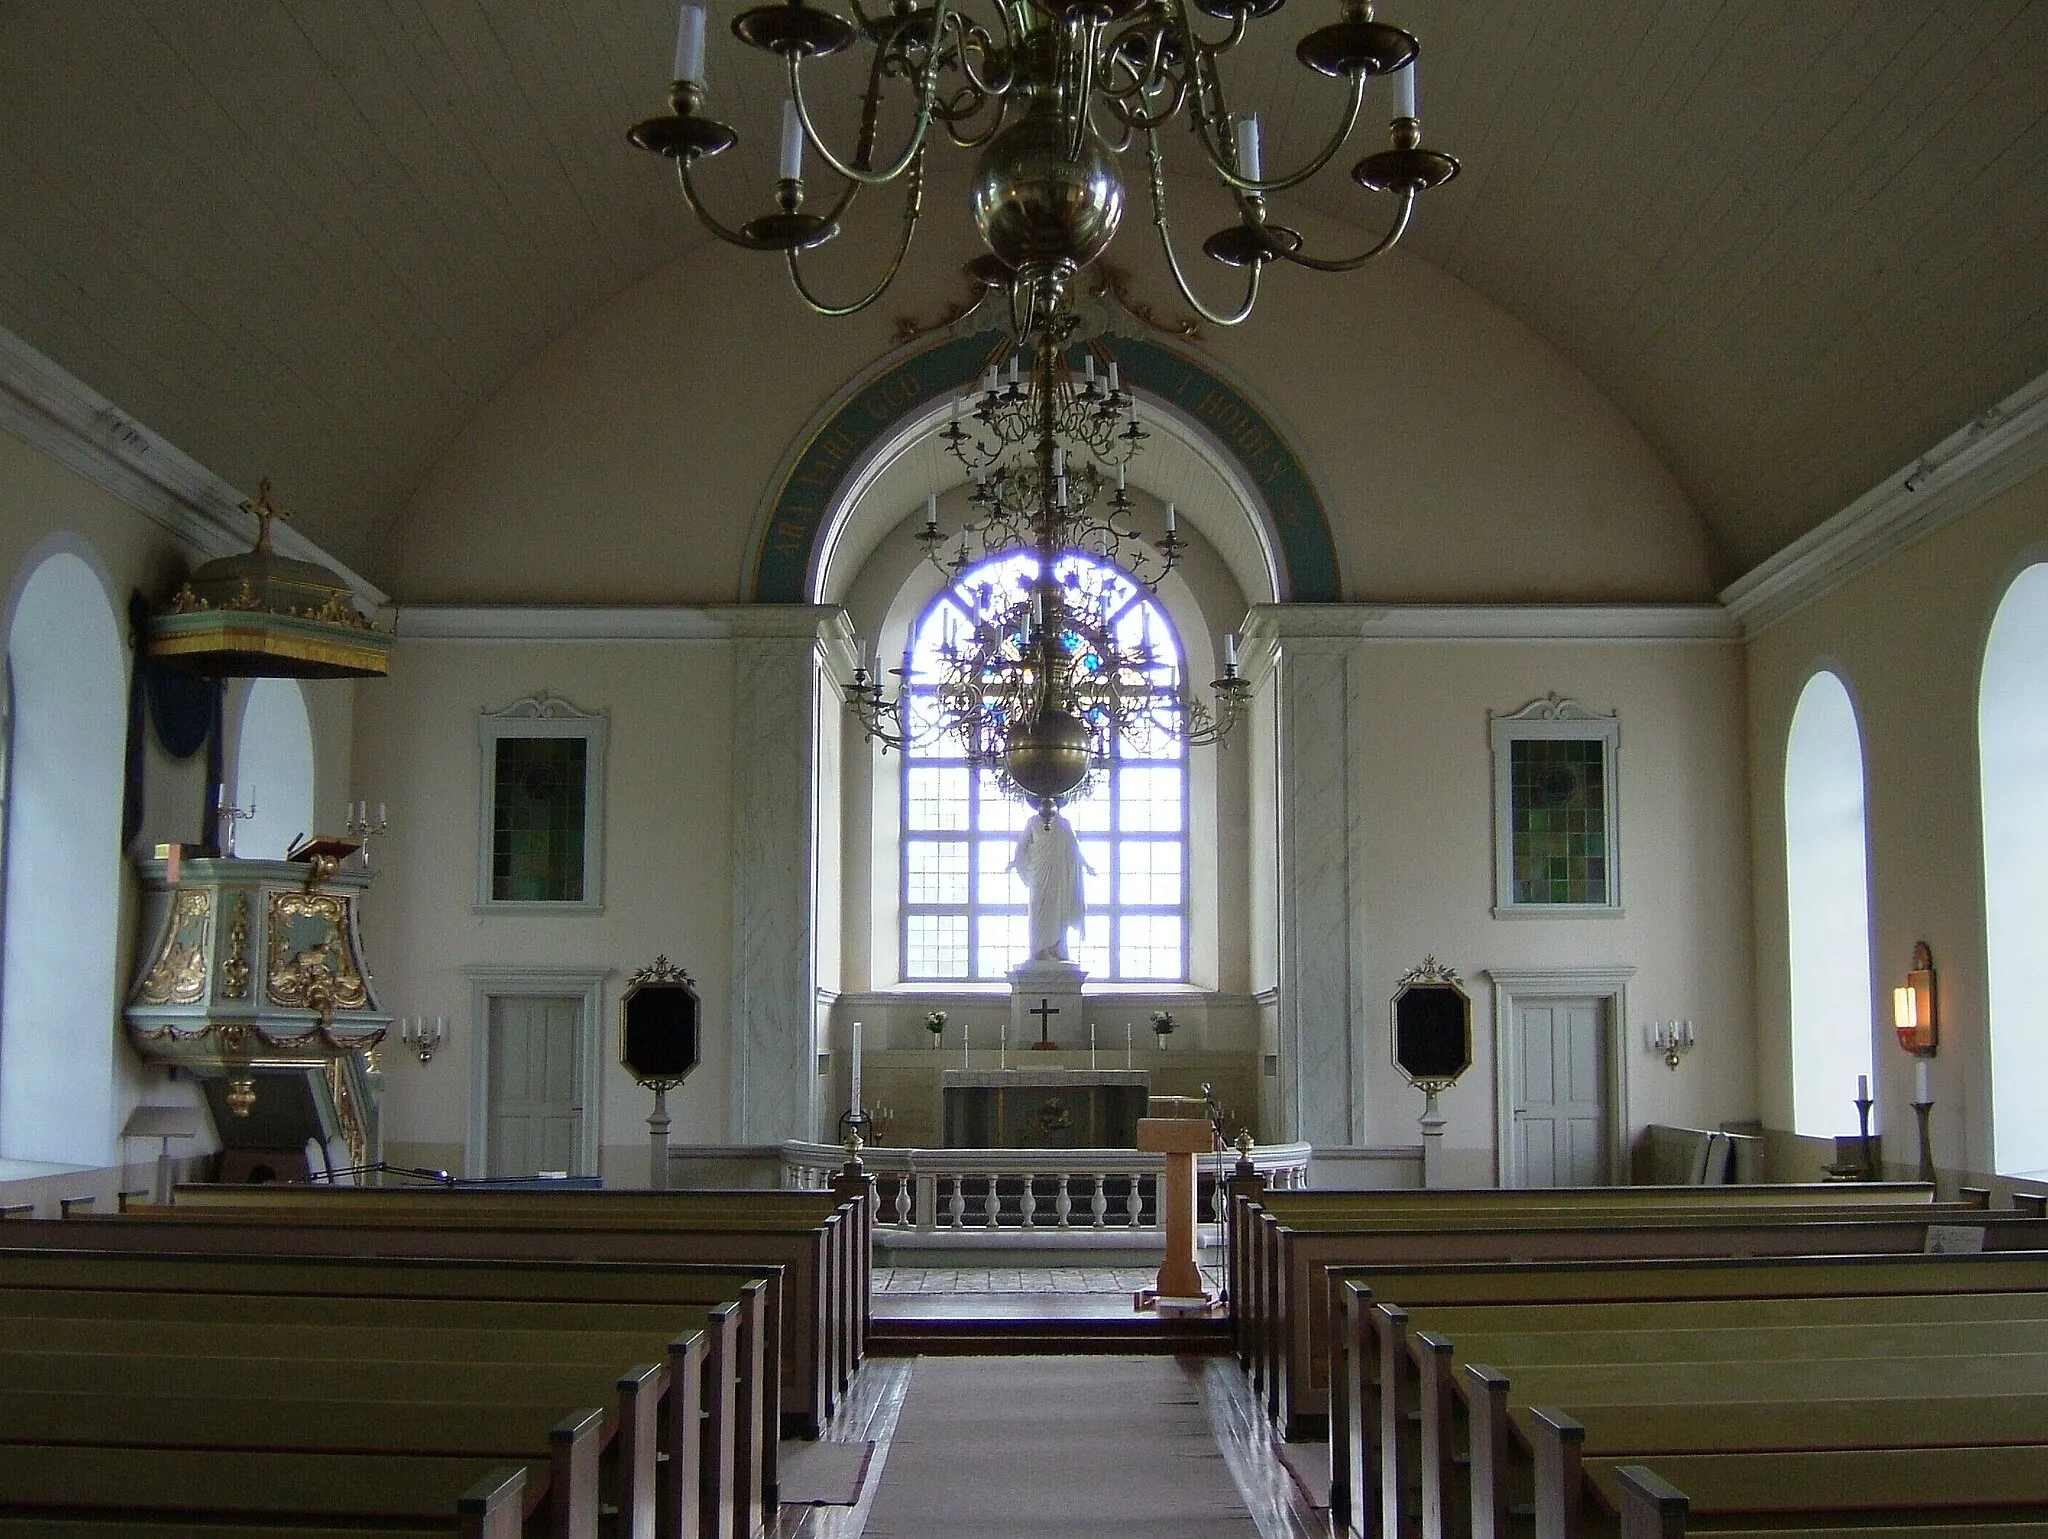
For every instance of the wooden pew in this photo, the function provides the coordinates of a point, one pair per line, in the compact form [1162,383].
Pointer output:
[1299,1304]
[758,1417]
[1936,1493]
[828,1313]
[704,1367]
[1278,1244]
[1374,1389]
[158,1494]
[1792,1389]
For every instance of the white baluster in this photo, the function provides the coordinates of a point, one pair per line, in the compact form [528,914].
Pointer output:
[993,1205]
[1063,1204]
[956,1205]
[1027,1205]
[1133,1199]
[903,1202]
[1098,1201]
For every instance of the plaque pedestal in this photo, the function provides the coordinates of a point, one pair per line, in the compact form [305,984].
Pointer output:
[1180,1139]
[1055,989]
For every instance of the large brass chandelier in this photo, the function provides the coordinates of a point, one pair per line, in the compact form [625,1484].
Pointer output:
[1050,92]
[1043,687]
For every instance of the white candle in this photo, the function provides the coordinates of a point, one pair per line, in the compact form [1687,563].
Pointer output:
[1113,386]
[1121,484]
[690,44]
[931,511]
[963,1044]
[1920,1090]
[1127,1044]
[1172,517]
[381,819]
[853,1094]
[1088,367]
[1230,650]
[1863,1087]
[792,143]
[1248,147]
[1404,91]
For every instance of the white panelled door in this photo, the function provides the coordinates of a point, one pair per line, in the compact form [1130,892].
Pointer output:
[1560,1110]
[536,1105]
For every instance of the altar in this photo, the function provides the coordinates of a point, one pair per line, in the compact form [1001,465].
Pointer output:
[1042,1108]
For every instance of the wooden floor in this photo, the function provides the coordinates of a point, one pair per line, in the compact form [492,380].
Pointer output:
[1275,1501]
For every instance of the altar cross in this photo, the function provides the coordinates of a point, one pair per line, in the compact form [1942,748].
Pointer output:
[1045,1010]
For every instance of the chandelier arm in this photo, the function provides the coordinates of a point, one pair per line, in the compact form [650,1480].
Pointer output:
[1216,137]
[734,237]
[1084,87]
[975,38]
[1147,121]
[913,205]
[927,94]
[1214,317]
[1240,23]
[1347,264]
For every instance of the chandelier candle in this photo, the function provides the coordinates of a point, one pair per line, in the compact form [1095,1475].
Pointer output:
[690,45]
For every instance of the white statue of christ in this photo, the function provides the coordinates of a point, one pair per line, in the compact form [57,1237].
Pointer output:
[1048,858]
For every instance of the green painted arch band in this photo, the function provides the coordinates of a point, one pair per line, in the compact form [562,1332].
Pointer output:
[1298,527]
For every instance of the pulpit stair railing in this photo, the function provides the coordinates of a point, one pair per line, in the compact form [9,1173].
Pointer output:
[1023,1189]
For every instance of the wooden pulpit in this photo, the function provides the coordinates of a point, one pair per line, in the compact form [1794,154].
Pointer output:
[1184,1132]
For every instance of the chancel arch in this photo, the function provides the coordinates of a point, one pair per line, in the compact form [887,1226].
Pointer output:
[2012,738]
[1827,892]
[63,860]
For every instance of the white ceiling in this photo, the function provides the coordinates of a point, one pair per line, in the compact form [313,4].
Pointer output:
[1797,244]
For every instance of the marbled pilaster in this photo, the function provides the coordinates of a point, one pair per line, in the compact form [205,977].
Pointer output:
[1309,674]
[780,691]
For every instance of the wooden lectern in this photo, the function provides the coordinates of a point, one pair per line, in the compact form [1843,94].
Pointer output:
[1183,1132]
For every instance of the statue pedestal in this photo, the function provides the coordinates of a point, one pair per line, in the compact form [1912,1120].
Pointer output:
[1180,1139]
[1055,988]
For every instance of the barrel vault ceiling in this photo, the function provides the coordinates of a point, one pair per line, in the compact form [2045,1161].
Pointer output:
[1796,244]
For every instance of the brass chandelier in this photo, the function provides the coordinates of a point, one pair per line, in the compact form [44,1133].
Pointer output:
[1050,93]
[1047,687]
[1042,689]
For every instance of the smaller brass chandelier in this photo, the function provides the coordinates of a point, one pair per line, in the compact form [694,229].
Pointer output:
[1049,444]
[1042,689]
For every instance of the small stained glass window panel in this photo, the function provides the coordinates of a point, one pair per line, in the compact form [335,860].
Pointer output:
[996,883]
[1001,941]
[937,870]
[1150,946]
[938,799]
[937,945]
[1096,880]
[1557,799]
[1149,873]
[1149,800]
[1090,949]
[538,824]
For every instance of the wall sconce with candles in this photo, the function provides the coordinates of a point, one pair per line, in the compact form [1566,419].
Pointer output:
[1913,1006]
[1674,1039]
[423,1033]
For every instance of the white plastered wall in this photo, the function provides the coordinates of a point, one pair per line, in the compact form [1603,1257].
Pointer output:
[1908,638]
[667,885]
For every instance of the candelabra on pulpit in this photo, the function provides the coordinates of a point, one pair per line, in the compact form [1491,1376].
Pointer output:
[360,826]
[228,816]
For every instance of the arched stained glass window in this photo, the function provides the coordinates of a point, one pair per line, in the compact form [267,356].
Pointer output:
[964,910]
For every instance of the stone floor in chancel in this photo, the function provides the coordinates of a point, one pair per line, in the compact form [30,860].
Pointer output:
[1124,1281]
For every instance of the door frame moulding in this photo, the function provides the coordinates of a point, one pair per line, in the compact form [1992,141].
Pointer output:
[1515,986]
[488,981]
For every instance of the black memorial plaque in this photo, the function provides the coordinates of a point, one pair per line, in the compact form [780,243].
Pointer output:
[1432,1030]
[658,1025]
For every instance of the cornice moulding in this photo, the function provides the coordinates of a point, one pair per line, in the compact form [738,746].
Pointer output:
[1295,623]
[49,408]
[1986,456]
[572,622]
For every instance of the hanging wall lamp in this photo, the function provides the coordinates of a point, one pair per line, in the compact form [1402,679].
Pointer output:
[1913,1006]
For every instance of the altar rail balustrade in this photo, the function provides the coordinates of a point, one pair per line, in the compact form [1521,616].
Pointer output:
[935,1189]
